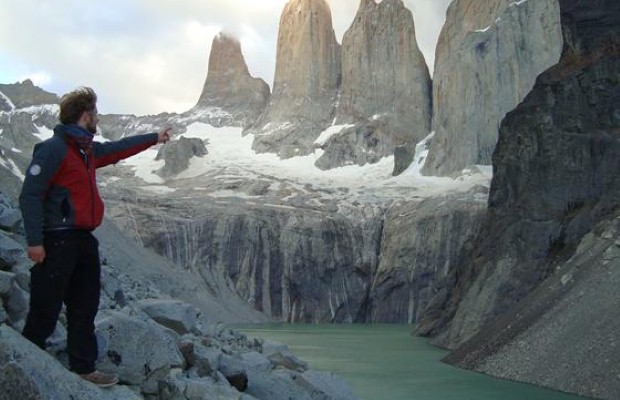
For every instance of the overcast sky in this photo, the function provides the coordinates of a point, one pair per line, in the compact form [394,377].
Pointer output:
[150,56]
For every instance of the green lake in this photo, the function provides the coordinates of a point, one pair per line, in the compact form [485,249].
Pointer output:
[386,362]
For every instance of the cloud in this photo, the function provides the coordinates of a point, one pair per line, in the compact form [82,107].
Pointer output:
[150,56]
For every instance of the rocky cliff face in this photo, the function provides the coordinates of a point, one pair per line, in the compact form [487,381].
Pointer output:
[229,85]
[301,263]
[488,56]
[306,81]
[555,181]
[421,244]
[386,87]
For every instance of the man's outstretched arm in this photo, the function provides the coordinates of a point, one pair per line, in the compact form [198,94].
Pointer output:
[112,152]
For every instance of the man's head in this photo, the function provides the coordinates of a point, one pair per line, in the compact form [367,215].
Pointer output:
[80,107]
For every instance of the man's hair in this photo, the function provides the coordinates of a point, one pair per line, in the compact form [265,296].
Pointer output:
[75,103]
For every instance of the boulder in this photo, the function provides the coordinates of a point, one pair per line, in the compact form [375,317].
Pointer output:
[3,314]
[206,360]
[17,303]
[138,351]
[174,314]
[276,385]
[6,282]
[180,388]
[325,385]
[10,219]
[29,373]
[11,252]
[281,356]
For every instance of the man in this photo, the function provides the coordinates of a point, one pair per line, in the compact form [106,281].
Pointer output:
[61,206]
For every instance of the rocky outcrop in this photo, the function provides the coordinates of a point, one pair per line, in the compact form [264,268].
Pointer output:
[296,265]
[229,86]
[386,87]
[25,94]
[20,130]
[177,155]
[555,182]
[488,56]
[306,81]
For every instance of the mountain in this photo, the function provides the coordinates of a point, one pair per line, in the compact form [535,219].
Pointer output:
[305,84]
[534,296]
[517,276]
[385,95]
[488,56]
[24,94]
[229,85]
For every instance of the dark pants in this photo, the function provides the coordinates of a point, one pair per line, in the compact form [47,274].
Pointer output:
[70,273]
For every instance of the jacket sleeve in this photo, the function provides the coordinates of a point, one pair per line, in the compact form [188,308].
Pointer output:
[47,158]
[112,152]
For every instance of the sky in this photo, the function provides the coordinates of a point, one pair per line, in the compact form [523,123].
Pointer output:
[150,56]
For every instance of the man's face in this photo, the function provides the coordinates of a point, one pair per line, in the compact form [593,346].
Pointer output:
[91,123]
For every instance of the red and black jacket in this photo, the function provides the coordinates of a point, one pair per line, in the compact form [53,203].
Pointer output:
[60,188]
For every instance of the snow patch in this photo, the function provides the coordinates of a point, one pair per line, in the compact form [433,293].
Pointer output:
[272,127]
[516,3]
[7,100]
[231,160]
[48,109]
[145,165]
[329,132]
[44,133]
[158,189]
[11,166]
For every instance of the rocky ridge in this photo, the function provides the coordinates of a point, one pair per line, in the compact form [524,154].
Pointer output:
[24,94]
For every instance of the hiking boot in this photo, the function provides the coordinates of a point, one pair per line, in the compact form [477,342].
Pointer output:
[100,379]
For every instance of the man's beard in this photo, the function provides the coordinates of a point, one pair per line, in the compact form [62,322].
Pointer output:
[92,128]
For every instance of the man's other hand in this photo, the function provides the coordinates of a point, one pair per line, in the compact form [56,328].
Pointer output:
[36,253]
